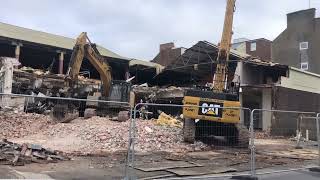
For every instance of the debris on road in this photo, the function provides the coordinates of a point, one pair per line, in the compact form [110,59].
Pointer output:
[21,154]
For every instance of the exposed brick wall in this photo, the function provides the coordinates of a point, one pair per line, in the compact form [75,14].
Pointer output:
[168,53]
[263,50]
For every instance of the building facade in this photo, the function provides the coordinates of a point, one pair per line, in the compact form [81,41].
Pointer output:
[258,48]
[299,44]
[264,85]
[168,53]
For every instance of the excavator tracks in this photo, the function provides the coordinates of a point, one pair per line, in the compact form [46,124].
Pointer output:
[218,134]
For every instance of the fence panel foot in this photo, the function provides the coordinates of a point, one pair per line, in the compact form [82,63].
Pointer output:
[315,169]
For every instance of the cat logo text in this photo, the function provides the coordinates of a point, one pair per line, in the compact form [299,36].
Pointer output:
[211,109]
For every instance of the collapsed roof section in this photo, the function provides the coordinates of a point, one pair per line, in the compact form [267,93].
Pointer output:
[41,50]
[197,65]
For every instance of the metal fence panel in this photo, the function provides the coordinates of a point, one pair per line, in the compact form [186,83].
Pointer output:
[98,141]
[287,143]
[318,137]
[156,143]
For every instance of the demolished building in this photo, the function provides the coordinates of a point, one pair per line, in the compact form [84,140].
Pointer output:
[42,50]
[37,62]
[263,85]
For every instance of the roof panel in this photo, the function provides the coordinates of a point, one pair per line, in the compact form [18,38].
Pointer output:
[39,37]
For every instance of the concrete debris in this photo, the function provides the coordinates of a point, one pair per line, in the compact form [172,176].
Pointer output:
[26,79]
[89,112]
[155,93]
[263,134]
[21,154]
[98,135]
[39,83]
[149,130]
[123,116]
[144,85]
[167,120]
[16,124]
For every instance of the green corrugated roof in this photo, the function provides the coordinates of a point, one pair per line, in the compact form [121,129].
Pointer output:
[39,37]
[157,66]
[144,63]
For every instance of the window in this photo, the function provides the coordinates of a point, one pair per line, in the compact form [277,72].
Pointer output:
[253,46]
[304,45]
[304,66]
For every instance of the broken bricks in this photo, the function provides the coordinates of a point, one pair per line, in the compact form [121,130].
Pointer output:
[18,155]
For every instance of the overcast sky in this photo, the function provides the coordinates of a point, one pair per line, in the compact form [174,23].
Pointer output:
[135,28]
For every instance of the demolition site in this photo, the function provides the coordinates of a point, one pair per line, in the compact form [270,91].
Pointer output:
[72,109]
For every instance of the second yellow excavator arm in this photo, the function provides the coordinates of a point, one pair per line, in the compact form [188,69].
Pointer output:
[84,49]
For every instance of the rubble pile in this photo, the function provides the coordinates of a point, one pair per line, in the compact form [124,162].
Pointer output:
[152,137]
[21,154]
[27,78]
[16,124]
[97,135]
[263,134]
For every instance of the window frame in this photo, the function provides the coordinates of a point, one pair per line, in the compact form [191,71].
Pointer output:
[301,47]
[304,64]
[255,46]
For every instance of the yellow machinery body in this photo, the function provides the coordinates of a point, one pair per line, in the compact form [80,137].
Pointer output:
[218,110]
[215,109]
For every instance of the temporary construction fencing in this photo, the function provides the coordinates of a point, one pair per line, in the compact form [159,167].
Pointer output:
[290,142]
[318,137]
[154,136]
[30,119]
[272,149]
[217,147]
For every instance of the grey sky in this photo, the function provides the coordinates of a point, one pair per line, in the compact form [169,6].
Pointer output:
[135,28]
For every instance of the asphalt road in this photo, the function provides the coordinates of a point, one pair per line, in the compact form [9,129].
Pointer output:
[290,175]
[293,175]
[82,172]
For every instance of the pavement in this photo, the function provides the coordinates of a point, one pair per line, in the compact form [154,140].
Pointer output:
[7,172]
[304,174]
[112,167]
[292,175]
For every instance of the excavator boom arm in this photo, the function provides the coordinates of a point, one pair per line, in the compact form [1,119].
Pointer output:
[101,66]
[220,75]
[81,50]
[225,43]
[77,56]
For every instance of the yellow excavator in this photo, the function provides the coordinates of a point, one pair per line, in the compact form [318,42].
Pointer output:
[85,49]
[82,49]
[206,113]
